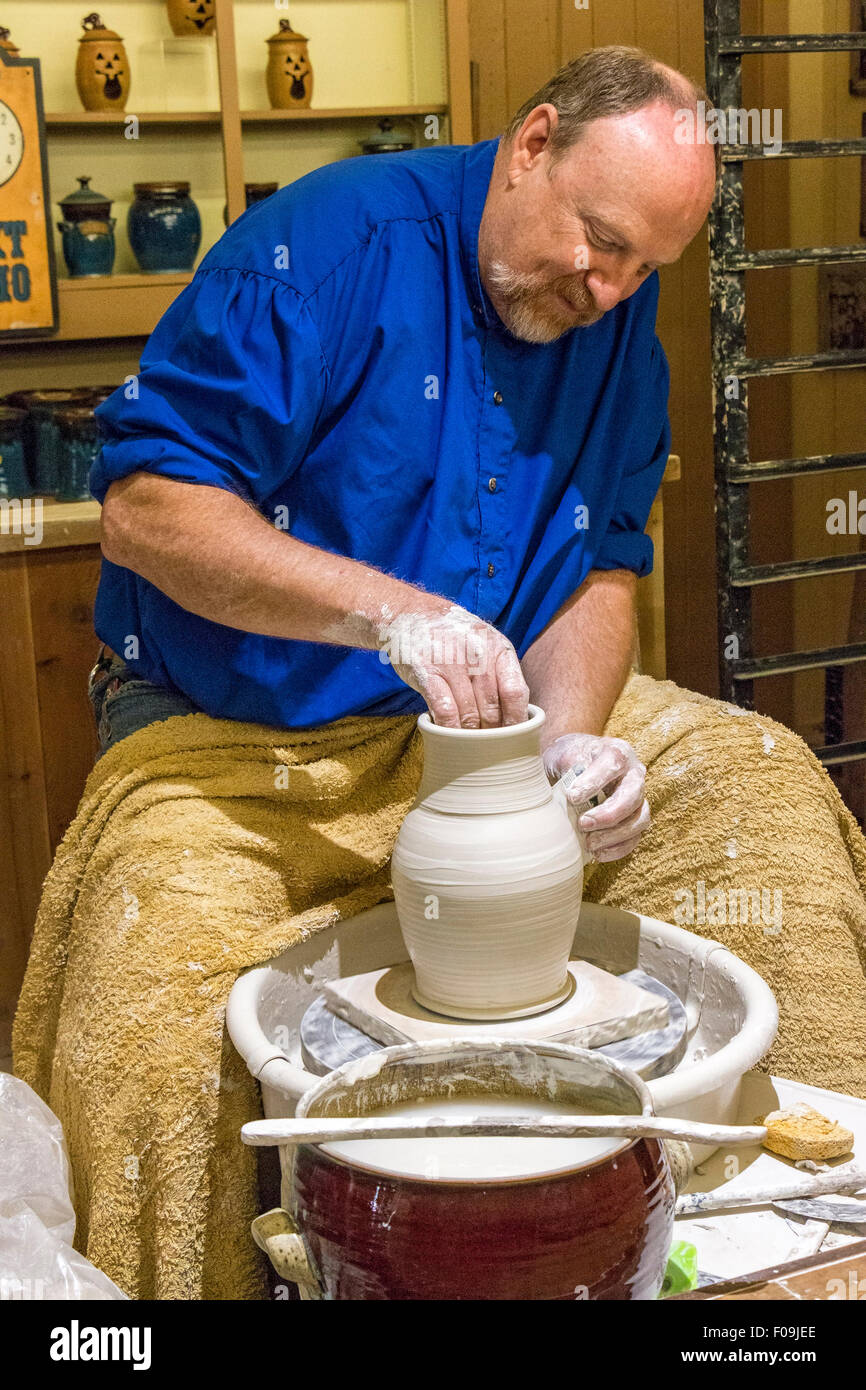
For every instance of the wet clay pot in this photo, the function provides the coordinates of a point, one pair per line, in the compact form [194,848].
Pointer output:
[102,67]
[599,1229]
[289,74]
[487,872]
[188,17]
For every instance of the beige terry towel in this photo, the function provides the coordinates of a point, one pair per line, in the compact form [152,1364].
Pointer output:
[740,804]
[200,847]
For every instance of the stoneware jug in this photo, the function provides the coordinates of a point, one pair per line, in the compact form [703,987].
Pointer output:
[487,872]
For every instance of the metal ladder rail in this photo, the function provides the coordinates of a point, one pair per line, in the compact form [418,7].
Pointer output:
[734,470]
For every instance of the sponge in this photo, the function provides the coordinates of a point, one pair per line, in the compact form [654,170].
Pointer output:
[801,1132]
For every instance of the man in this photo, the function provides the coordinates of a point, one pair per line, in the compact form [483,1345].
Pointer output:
[454,393]
[394,447]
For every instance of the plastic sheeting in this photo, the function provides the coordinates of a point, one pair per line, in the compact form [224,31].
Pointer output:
[37,1220]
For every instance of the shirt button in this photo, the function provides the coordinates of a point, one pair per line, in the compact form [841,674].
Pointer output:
[491,483]
[476,308]
[491,570]
[497,396]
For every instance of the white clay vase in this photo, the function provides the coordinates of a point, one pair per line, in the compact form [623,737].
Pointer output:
[487,872]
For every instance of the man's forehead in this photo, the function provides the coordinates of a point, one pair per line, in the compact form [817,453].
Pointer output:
[662,245]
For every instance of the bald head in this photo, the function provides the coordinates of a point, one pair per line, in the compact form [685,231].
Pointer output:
[571,227]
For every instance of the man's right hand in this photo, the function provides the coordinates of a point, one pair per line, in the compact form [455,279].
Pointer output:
[467,671]
[217,557]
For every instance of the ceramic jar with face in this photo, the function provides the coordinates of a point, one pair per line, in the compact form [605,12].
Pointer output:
[289,74]
[188,17]
[6,42]
[102,67]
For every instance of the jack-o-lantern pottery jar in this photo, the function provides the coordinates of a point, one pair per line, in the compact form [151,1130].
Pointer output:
[102,67]
[191,17]
[6,42]
[289,75]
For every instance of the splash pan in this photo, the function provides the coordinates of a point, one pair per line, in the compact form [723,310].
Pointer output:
[731,1014]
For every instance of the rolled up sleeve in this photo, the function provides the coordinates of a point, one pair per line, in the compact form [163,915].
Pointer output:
[229,391]
[626,544]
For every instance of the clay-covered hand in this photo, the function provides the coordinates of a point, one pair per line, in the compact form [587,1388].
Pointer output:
[609,765]
[467,672]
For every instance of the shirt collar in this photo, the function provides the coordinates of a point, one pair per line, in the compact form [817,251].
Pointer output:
[477,170]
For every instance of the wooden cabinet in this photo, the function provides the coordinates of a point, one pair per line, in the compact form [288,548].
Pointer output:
[47,738]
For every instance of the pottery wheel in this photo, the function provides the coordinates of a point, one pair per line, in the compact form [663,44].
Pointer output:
[327,1041]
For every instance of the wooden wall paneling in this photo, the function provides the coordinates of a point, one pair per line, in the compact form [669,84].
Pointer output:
[657,31]
[487,48]
[576,30]
[26,853]
[532,48]
[614,21]
[459,93]
[13,935]
[62,590]
[690,563]
[849,417]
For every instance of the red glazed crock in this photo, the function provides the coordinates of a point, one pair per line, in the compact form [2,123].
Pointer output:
[602,1231]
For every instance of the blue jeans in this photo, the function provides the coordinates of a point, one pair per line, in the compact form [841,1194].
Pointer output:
[123,702]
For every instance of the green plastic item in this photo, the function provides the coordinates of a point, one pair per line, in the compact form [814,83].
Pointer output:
[681,1273]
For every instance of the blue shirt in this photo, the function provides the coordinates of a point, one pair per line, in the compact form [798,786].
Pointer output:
[336,361]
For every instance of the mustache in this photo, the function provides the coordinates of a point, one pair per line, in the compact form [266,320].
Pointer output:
[521,286]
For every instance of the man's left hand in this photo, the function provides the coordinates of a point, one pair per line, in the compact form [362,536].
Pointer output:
[610,765]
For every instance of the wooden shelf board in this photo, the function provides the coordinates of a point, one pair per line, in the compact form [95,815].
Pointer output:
[113,118]
[69,284]
[63,524]
[114,306]
[336,113]
[55,119]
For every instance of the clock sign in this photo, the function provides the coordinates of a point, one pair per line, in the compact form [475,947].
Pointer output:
[11,143]
[28,283]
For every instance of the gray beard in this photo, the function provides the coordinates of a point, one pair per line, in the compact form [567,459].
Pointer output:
[526,308]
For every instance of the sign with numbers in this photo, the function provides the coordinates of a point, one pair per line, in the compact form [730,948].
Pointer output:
[28,282]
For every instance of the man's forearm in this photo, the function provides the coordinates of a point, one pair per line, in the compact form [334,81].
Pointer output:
[578,665]
[219,558]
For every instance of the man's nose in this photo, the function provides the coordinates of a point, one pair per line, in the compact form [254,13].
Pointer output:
[606,289]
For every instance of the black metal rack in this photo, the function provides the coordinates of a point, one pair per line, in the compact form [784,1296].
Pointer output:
[734,469]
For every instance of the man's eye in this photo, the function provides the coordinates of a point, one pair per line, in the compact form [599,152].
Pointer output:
[603,245]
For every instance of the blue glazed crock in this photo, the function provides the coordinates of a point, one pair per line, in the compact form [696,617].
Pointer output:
[88,231]
[164,227]
[13,471]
